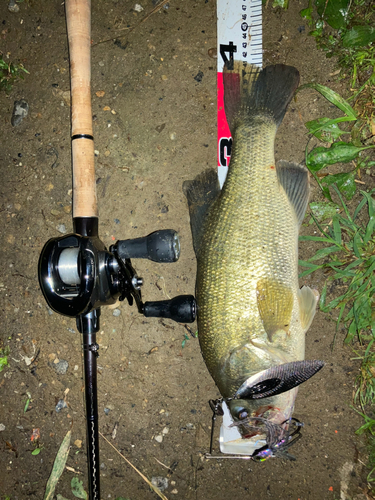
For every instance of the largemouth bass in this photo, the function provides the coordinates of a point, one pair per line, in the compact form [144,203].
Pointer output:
[252,315]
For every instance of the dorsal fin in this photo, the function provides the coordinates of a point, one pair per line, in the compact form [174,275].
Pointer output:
[200,193]
[294,179]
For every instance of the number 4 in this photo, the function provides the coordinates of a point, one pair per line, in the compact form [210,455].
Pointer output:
[231,49]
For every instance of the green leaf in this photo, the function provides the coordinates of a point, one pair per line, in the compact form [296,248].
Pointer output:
[317,238]
[26,405]
[307,13]
[58,466]
[335,12]
[344,181]
[325,129]
[281,3]
[332,97]
[357,245]
[336,230]
[36,451]
[78,489]
[343,152]
[322,300]
[323,210]
[360,206]
[323,252]
[370,202]
[359,36]
[370,229]
[3,363]
[311,268]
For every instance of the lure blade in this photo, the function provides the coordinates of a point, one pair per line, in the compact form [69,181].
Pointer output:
[278,379]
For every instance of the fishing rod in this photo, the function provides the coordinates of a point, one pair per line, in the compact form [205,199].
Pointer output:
[77,274]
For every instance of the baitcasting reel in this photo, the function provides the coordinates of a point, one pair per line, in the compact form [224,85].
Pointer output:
[77,275]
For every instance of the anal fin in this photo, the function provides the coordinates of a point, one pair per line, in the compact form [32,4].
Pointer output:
[200,193]
[294,179]
[307,299]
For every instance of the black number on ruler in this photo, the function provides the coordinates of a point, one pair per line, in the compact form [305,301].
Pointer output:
[225,150]
[228,48]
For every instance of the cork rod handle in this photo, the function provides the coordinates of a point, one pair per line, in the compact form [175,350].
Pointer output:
[78,18]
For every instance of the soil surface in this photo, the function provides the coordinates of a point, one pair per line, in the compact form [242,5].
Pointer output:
[154,127]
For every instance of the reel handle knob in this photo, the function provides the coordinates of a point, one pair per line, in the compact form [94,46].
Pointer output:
[182,309]
[160,246]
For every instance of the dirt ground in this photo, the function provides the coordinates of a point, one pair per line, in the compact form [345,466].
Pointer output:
[154,127]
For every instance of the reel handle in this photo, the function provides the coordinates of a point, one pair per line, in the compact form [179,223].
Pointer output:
[159,246]
[182,309]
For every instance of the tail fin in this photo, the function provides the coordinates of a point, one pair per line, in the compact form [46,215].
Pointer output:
[250,92]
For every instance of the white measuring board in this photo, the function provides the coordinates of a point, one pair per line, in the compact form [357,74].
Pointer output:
[239,36]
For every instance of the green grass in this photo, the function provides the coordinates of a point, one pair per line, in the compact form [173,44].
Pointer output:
[348,253]
[344,29]
[9,73]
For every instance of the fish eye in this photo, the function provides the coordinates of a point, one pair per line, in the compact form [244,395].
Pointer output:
[242,413]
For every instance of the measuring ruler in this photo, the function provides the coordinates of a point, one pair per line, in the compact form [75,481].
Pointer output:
[239,36]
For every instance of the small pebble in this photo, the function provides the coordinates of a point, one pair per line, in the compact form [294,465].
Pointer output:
[60,405]
[159,438]
[138,7]
[117,221]
[2,427]
[20,111]
[106,411]
[12,6]
[61,367]
[198,78]
[172,136]
[61,228]
[160,482]
[116,312]
[165,430]
[174,492]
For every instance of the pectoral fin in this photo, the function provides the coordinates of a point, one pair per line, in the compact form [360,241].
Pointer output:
[307,299]
[275,305]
